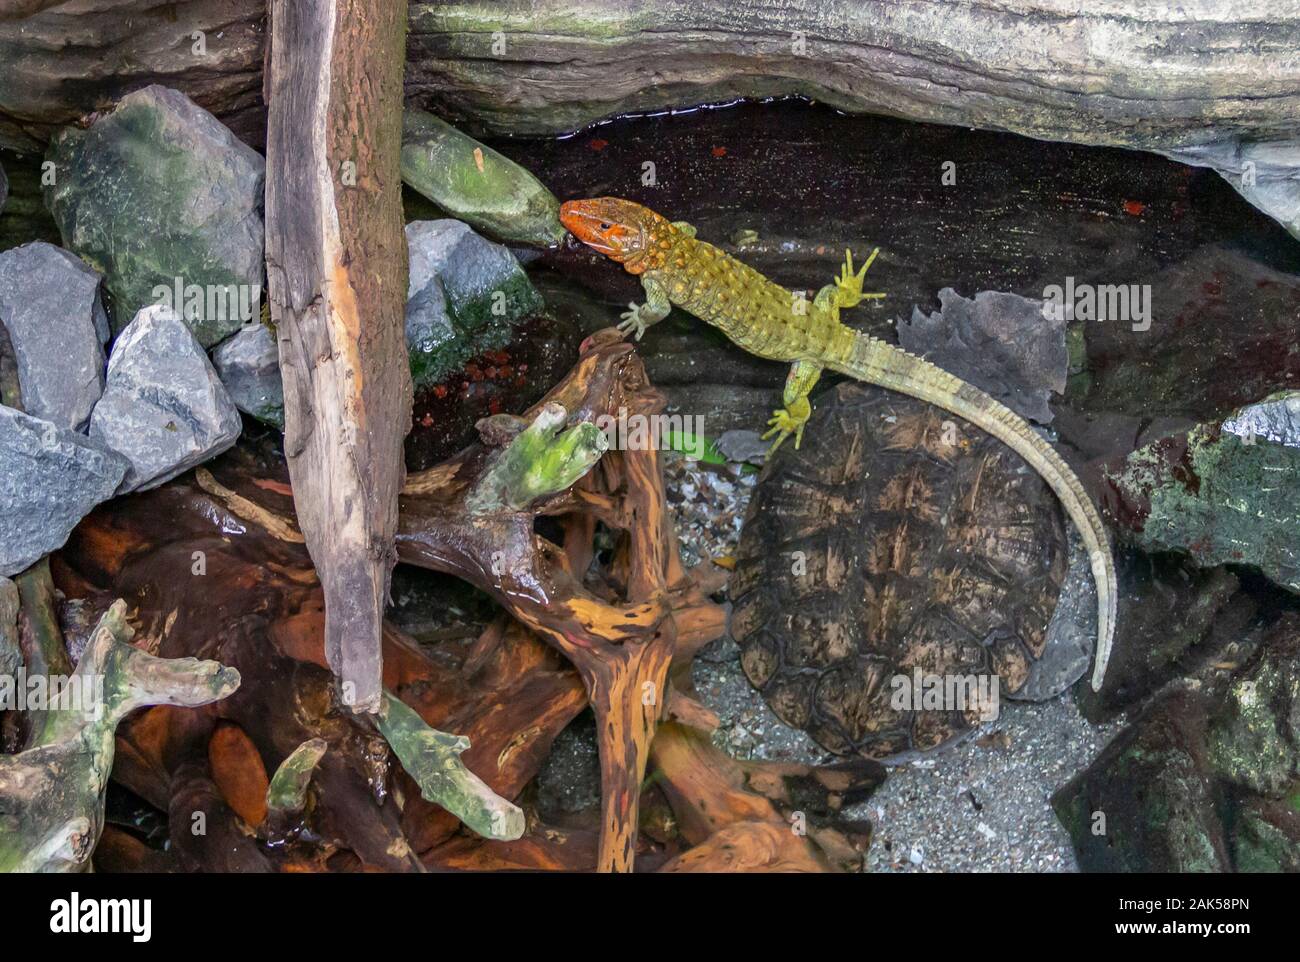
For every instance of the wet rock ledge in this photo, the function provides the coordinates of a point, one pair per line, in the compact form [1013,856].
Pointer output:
[1217,81]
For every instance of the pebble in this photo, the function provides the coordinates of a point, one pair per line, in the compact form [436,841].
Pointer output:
[50,478]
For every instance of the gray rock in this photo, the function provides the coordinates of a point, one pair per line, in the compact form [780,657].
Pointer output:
[166,203]
[464,296]
[1217,318]
[1254,736]
[429,332]
[1157,795]
[1220,496]
[1265,173]
[1275,419]
[164,406]
[50,478]
[50,304]
[249,365]
[1001,343]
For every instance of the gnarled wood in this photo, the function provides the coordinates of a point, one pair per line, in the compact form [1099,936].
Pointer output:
[622,646]
[259,608]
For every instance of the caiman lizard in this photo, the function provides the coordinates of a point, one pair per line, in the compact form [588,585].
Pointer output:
[773,322]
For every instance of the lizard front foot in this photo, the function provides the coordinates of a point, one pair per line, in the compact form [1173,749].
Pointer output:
[849,285]
[633,322]
[784,423]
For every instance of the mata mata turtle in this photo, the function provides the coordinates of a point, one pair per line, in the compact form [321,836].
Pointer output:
[897,538]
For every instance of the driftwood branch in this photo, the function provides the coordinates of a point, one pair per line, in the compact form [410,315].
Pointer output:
[432,758]
[622,619]
[52,794]
[456,519]
[336,266]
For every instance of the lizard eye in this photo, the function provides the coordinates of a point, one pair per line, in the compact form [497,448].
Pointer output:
[605,226]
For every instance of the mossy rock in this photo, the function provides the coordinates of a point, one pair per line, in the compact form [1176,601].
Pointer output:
[1218,496]
[466,296]
[1149,802]
[158,190]
[1266,835]
[1254,736]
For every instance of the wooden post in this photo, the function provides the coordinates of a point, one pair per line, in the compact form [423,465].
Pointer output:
[337,272]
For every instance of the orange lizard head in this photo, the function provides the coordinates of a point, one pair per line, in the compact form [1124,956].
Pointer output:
[620,229]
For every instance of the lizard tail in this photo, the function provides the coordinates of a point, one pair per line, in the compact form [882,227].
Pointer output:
[878,362]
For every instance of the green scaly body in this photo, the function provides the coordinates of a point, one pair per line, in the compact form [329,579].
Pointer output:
[773,322]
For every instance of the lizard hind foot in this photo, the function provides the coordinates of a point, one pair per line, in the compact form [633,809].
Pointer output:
[782,424]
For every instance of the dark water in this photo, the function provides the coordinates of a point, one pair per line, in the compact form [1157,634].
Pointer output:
[1021,213]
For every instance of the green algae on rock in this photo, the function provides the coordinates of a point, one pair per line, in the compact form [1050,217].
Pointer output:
[1254,737]
[1148,802]
[474,183]
[465,296]
[1207,778]
[158,195]
[1266,837]
[1223,493]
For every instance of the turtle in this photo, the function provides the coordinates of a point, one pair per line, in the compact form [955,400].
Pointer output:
[898,546]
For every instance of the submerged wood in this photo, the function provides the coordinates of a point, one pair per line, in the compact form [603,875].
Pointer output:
[621,619]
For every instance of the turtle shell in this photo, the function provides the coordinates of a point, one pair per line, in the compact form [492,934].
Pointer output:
[899,542]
